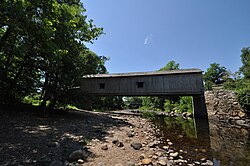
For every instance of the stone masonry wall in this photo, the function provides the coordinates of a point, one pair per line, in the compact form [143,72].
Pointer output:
[223,106]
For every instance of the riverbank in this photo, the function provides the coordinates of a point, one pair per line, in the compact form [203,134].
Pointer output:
[88,138]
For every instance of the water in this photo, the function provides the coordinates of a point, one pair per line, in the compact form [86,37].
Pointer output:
[223,144]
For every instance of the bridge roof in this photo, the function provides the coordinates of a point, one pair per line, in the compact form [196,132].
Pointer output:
[152,73]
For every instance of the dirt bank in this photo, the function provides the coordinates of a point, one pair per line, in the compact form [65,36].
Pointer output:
[83,138]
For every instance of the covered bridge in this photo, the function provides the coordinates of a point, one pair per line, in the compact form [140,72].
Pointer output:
[186,82]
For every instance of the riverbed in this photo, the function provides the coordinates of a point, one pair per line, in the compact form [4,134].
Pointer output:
[224,144]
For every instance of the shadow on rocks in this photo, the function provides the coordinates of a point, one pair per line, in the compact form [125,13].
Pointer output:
[30,138]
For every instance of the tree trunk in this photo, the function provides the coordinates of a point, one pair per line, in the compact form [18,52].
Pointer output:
[45,93]
[5,37]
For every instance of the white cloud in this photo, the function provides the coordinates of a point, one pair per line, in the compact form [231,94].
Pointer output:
[148,39]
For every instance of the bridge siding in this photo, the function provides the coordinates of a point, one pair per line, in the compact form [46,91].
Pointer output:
[175,84]
[186,82]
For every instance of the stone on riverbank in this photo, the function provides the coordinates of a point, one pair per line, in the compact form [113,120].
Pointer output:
[146,161]
[136,145]
[104,147]
[78,154]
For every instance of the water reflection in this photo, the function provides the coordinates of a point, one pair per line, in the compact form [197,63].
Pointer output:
[224,145]
[230,145]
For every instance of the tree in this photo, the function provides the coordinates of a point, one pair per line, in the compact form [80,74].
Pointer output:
[171,65]
[42,47]
[245,58]
[158,102]
[215,75]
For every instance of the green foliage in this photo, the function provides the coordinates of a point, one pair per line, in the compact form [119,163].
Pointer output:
[147,103]
[245,58]
[184,104]
[185,125]
[244,99]
[132,102]
[168,103]
[215,75]
[42,48]
[169,106]
[109,103]
[171,65]
[153,103]
[33,99]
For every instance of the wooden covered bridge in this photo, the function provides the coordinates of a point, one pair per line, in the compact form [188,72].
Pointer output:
[186,82]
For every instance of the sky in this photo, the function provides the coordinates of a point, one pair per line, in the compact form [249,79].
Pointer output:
[144,35]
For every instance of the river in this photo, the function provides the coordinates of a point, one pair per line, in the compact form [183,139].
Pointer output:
[223,144]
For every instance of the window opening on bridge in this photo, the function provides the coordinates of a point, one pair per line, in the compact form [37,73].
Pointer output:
[102,85]
[140,84]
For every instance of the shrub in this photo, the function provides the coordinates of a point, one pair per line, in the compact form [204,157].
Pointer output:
[244,99]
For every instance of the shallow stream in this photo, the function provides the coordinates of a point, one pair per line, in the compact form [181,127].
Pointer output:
[223,144]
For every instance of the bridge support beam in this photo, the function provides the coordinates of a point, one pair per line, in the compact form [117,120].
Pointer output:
[199,107]
[201,118]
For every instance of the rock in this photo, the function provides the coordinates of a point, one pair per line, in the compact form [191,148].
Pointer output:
[146,161]
[170,143]
[208,163]
[104,147]
[130,134]
[174,155]
[115,141]
[118,164]
[78,154]
[100,164]
[66,163]
[119,144]
[240,122]
[136,145]
[162,162]
[203,150]
[197,162]
[53,144]
[130,163]
[155,157]
[80,161]
[56,163]
[165,147]
[158,154]
[142,156]
[151,145]
[241,114]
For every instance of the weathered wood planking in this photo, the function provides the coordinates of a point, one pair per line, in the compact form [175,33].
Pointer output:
[181,82]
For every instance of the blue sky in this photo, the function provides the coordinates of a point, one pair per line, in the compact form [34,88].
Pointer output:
[144,35]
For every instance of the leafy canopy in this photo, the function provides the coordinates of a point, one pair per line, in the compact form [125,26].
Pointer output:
[42,48]
[245,58]
[216,74]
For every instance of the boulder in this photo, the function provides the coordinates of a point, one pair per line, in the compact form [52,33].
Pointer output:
[174,155]
[240,122]
[146,161]
[136,145]
[78,154]
[162,162]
